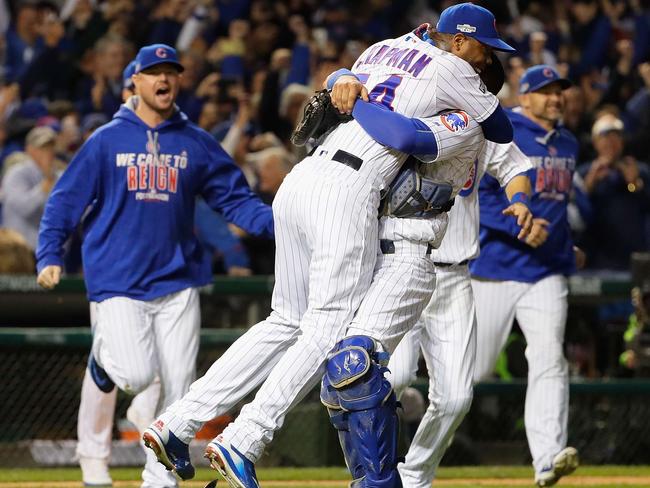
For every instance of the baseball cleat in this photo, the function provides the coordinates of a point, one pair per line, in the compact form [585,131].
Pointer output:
[235,468]
[564,463]
[99,375]
[94,472]
[171,452]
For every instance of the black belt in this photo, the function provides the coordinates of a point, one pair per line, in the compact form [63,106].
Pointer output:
[343,157]
[388,247]
[447,265]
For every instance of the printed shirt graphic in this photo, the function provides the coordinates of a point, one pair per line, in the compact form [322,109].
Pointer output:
[503,257]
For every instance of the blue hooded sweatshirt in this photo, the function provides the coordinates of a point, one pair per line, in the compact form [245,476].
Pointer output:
[503,256]
[139,185]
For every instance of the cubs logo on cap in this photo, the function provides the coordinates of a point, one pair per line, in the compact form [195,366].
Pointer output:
[456,121]
[155,54]
[473,21]
[539,76]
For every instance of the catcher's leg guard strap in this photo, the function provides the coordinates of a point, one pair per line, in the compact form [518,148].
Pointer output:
[368,411]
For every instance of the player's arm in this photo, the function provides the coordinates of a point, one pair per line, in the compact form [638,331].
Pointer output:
[518,191]
[509,166]
[225,190]
[345,88]
[409,135]
[493,199]
[70,197]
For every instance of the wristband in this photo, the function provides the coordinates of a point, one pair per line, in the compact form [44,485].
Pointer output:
[336,75]
[519,197]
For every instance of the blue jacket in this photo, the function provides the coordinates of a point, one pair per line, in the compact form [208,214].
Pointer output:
[503,256]
[139,237]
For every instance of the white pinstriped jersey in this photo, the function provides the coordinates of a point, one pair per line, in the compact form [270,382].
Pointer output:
[503,162]
[460,140]
[416,79]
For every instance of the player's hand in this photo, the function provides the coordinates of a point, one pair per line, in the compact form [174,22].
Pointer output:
[524,218]
[49,276]
[538,233]
[345,92]
[581,257]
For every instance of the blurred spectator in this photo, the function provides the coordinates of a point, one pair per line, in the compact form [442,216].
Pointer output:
[509,94]
[637,111]
[84,24]
[167,20]
[292,101]
[53,72]
[272,164]
[103,93]
[193,91]
[16,257]
[229,52]
[538,53]
[90,123]
[27,184]
[578,121]
[23,40]
[619,190]
[590,37]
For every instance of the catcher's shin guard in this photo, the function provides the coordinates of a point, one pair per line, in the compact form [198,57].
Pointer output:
[339,419]
[369,424]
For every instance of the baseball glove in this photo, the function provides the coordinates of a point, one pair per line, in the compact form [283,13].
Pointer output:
[494,76]
[318,117]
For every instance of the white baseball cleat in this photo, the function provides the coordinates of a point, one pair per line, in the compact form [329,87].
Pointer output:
[564,463]
[94,472]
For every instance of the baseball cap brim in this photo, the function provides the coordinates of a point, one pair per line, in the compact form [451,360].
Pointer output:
[496,44]
[563,82]
[176,65]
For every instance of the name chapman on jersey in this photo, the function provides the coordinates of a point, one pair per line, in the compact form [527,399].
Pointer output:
[405,59]
[147,175]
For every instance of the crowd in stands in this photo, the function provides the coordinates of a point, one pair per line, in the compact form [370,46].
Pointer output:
[250,65]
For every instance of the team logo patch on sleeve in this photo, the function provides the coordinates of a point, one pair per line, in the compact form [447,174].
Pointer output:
[455,121]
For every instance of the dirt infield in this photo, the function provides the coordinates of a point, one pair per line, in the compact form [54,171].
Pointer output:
[595,481]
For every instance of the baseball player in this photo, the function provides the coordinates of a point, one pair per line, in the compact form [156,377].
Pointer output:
[512,280]
[96,407]
[326,233]
[140,175]
[446,331]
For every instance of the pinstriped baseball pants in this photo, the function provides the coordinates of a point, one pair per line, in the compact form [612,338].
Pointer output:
[136,340]
[541,310]
[446,335]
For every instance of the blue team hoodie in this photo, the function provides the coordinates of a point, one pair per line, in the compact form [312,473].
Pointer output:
[503,256]
[140,184]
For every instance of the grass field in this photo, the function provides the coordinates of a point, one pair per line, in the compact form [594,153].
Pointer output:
[495,476]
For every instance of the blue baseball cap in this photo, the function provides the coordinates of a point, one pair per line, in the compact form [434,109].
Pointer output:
[128,72]
[155,54]
[539,76]
[473,21]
